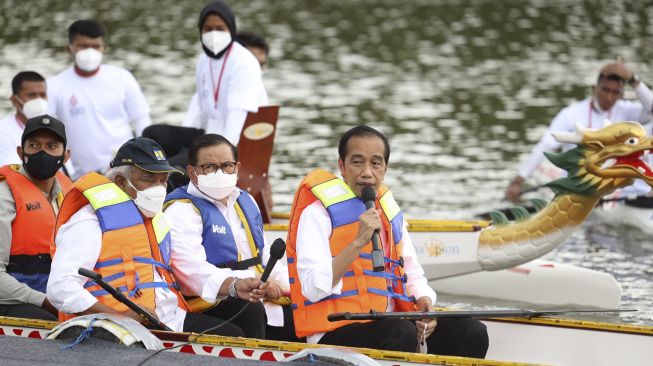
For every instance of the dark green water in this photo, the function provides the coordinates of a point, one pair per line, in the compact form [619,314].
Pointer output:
[464,88]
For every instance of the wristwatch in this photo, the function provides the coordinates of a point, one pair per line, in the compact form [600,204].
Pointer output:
[232,288]
[634,79]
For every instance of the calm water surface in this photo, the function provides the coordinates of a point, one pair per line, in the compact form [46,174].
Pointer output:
[464,89]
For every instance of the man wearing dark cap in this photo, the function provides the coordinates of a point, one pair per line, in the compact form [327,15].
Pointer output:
[605,103]
[114,226]
[30,194]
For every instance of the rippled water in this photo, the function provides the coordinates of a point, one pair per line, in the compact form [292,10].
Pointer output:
[464,89]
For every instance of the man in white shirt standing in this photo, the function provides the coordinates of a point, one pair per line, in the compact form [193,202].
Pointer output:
[102,105]
[29,98]
[331,266]
[115,226]
[605,103]
[221,227]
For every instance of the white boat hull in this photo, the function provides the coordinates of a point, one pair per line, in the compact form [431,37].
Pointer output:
[558,343]
[450,261]
[539,282]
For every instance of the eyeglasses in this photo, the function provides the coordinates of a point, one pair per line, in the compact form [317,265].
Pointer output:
[228,167]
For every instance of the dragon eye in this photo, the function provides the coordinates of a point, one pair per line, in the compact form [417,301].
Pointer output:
[632,141]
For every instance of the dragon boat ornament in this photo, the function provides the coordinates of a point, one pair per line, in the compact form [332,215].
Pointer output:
[603,161]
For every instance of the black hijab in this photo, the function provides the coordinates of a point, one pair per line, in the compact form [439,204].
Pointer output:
[223,10]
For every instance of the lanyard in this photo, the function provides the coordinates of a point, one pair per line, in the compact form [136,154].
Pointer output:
[216,88]
[590,114]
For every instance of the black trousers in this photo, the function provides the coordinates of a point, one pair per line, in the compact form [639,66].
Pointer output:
[198,323]
[26,311]
[285,333]
[465,337]
[251,321]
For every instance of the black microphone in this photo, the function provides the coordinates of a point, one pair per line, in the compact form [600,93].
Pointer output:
[369,196]
[277,250]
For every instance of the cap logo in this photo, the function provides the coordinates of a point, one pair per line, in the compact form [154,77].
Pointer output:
[45,121]
[158,154]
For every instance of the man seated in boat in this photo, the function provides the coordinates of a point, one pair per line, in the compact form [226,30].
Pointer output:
[115,227]
[605,103]
[329,221]
[30,194]
[221,226]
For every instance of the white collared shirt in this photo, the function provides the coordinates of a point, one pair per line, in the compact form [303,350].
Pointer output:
[205,278]
[79,242]
[316,273]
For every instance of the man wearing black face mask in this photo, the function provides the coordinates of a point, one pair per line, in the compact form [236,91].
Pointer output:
[30,195]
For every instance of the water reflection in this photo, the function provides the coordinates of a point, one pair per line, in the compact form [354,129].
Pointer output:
[464,88]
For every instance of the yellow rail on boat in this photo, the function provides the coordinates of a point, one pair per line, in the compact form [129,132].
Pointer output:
[414,225]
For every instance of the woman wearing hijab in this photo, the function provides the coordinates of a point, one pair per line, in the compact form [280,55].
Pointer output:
[228,76]
[228,86]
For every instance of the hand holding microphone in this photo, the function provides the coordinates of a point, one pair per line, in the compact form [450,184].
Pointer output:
[378,265]
[277,250]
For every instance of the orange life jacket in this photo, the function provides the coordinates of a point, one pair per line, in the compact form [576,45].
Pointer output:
[133,247]
[29,258]
[362,288]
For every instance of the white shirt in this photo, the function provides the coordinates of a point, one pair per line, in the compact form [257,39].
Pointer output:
[240,91]
[205,278]
[100,112]
[588,113]
[12,131]
[581,112]
[316,273]
[79,242]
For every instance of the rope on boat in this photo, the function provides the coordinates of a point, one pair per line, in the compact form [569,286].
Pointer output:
[84,335]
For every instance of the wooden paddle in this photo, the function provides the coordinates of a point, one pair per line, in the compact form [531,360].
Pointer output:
[254,154]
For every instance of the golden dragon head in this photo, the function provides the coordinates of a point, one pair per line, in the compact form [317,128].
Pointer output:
[604,160]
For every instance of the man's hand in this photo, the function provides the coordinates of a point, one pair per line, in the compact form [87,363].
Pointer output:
[273,290]
[251,289]
[425,327]
[513,192]
[47,306]
[619,69]
[369,221]
[134,315]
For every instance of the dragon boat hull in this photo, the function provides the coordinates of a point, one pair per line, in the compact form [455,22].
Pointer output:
[448,252]
[549,341]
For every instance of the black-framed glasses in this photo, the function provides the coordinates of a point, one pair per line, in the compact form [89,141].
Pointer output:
[228,167]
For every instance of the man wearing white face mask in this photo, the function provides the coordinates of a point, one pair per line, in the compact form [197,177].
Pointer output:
[219,225]
[102,105]
[228,77]
[29,99]
[115,227]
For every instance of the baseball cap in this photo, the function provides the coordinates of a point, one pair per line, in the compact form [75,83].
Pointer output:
[44,122]
[145,154]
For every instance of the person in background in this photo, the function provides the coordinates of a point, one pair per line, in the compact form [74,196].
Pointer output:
[29,98]
[221,227]
[228,76]
[115,226]
[256,45]
[228,86]
[102,105]
[330,261]
[605,103]
[30,194]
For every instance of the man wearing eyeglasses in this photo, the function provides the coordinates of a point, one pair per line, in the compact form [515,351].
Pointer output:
[219,225]
[605,103]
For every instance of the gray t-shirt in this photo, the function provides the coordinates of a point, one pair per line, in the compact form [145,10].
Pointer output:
[12,291]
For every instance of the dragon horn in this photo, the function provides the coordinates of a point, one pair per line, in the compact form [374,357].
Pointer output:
[606,123]
[567,137]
